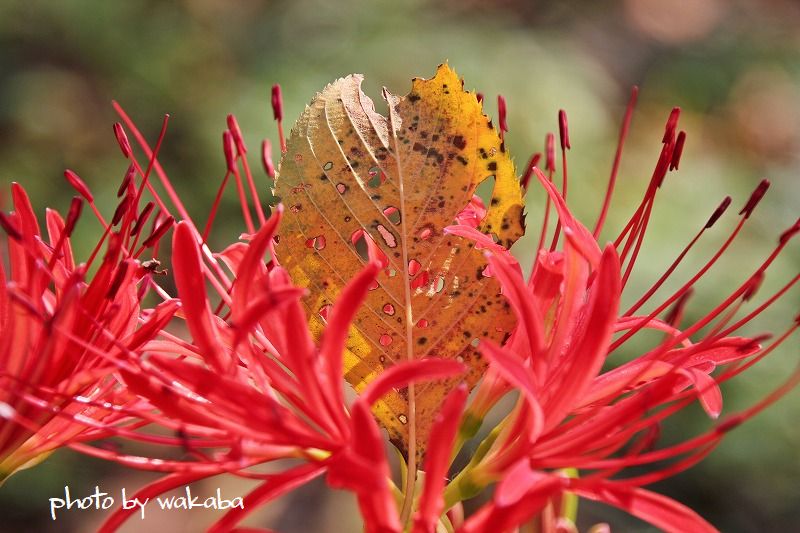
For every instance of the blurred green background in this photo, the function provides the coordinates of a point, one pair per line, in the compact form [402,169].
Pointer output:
[733,66]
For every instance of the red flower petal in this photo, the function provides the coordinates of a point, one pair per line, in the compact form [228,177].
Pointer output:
[336,333]
[506,516]
[519,375]
[276,486]
[407,372]
[437,460]
[252,264]
[578,235]
[191,288]
[656,509]
[515,290]
[588,352]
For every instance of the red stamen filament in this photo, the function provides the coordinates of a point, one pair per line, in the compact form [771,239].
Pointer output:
[612,180]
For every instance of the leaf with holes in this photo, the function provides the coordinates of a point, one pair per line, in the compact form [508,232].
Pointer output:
[350,174]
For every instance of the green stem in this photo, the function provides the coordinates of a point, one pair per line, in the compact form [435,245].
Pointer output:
[471,481]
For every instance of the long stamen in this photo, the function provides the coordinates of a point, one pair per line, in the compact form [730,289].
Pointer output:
[751,204]
[742,290]
[218,277]
[241,149]
[277,113]
[526,177]
[612,180]
[550,167]
[212,215]
[663,165]
[153,156]
[69,225]
[501,116]
[80,186]
[563,133]
[714,217]
[233,168]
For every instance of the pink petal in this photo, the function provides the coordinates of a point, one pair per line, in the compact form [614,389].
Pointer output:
[252,266]
[707,392]
[190,282]
[517,293]
[516,373]
[277,485]
[160,317]
[656,509]
[518,480]
[363,469]
[232,255]
[336,333]
[26,218]
[494,517]
[405,372]
[481,240]
[588,353]
[578,235]
[437,460]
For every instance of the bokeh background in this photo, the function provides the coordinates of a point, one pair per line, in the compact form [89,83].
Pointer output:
[732,65]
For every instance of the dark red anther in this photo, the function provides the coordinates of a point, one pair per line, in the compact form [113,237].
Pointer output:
[664,161]
[122,208]
[159,232]
[122,140]
[526,177]
[756,197]
[723,206]
[563,130]
[677,151]
[78,184]
[277,102]
[228,149]
[479,97]
[129,174]
[672,125]
[116,282]
[19,297]
[266,158]
[676,313]
[74,213]
[9,227]
[789,233]
[233,126]
[501,112]
[142,218]
[754,343]
[550,151]
[114,244]
[753,285]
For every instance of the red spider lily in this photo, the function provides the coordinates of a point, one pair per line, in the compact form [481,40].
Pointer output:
[258,386]
[63,333]
[252,386]
[571,415]
[249,385]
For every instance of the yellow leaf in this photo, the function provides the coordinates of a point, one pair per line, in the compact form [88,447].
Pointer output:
[349,174]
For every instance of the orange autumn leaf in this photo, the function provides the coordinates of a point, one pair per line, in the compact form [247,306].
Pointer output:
[350,175]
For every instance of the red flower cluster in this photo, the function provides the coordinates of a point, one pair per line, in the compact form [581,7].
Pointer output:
[64,336]
[82,359]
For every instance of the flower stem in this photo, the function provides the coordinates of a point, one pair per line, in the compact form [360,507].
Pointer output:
[408,493]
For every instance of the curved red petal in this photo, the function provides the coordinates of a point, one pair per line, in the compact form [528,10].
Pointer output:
[190,282]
